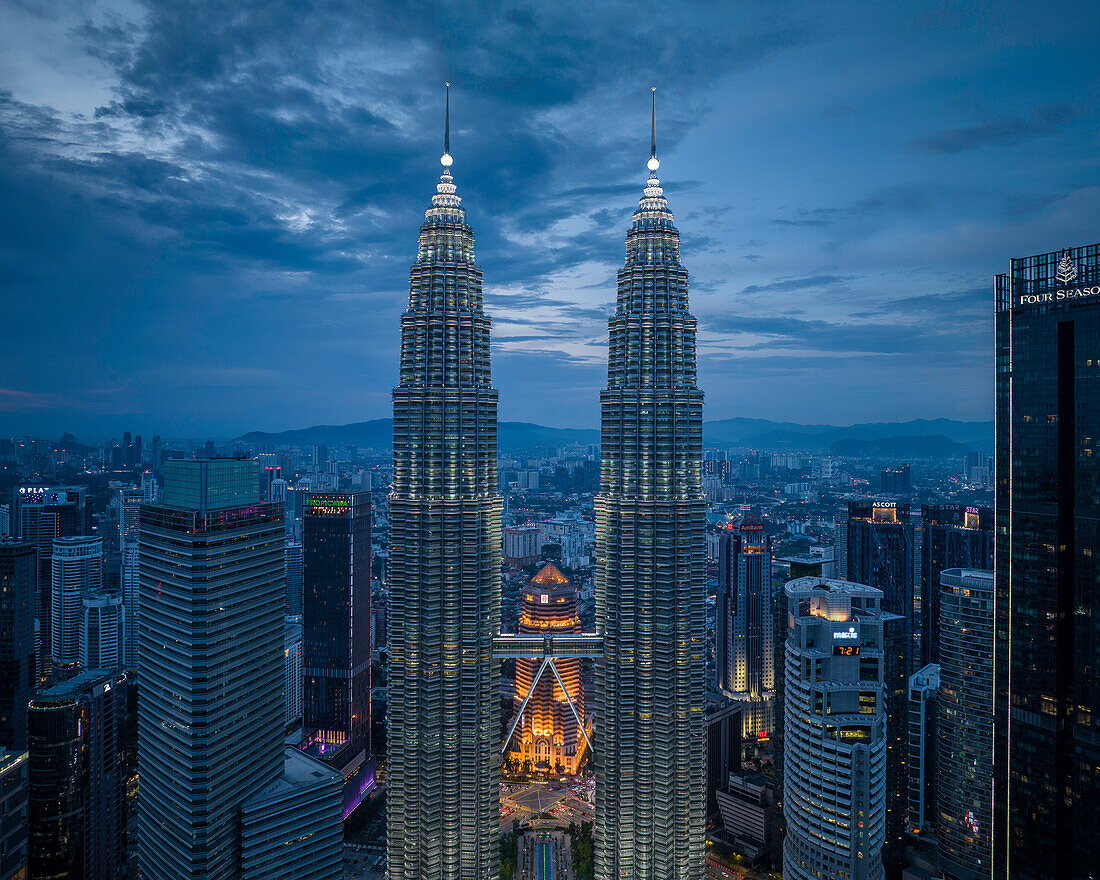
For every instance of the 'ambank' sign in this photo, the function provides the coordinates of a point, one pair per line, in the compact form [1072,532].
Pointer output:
[1034,299]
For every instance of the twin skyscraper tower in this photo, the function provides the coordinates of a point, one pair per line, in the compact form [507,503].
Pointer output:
[443,725]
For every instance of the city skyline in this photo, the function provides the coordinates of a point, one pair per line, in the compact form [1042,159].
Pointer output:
[250,264]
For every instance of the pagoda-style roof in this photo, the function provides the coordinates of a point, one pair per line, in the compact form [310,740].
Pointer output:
[549,576]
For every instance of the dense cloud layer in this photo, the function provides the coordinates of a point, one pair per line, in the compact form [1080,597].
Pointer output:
[209,210]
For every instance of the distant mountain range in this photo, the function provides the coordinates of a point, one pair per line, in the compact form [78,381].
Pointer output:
[921,438]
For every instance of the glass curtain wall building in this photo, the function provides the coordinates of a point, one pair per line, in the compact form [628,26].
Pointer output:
[964,810]
[1047,514]
[745,624]
[210,705]
[336,619]
[18,591]
[443,710]
[954,536]
[650,581]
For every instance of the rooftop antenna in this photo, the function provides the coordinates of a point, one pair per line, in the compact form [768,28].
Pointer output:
[445,160]
[654,163]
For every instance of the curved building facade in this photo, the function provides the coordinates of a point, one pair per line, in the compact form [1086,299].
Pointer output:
[444,567]
[834,761]
[76,570]
[650,581]
[548,737]
[964,754]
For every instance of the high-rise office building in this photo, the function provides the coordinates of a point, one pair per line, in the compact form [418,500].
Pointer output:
[210,706]
[745,626]
[1047,690]
[650,580]
[129,524]
[14,787]
[723,747]
[103,631]
[954,536]
[443,722]
[295,577]
[881,549]
[964,814]
[292,669]
[834,767]
[336,618]
[548,736]
[880,546]
[42,514]
[76,571]
[336,646]
[18,588]
[77,782]
[895,480]
[923,687]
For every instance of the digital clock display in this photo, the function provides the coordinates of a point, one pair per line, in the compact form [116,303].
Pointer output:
[845,650]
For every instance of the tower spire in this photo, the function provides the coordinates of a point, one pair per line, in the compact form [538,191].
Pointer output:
[654,163]
[445,160]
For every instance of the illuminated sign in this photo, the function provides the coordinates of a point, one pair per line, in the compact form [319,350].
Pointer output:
[885,505]
[971,510]
[1067,272]
[846,636]
[845,650]
[1031,299]
[545,599]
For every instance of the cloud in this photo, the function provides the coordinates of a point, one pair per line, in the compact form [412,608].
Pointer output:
[1046,119]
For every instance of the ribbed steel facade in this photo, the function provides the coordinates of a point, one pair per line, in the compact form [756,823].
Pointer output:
[444,576]
[650,596]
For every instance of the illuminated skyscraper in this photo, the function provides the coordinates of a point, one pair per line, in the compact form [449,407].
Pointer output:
[444,569]
[1046,746]
[745,623]
[834,767]
[650,590]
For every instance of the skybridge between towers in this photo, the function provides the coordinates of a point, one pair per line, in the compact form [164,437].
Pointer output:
[550,648]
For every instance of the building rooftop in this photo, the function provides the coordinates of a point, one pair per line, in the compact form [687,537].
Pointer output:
[300,771]
[78,684]
[823,586]
[549,576]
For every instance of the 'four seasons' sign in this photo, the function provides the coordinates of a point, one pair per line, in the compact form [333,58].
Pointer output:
[1066,273]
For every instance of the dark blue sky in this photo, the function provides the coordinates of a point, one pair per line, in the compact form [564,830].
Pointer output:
[208,210]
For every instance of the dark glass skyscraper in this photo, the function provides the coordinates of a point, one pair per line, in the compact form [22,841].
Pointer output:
[650,581]
[77,780]
[880,552]
[210,704]
[964,753]
[880,547]
[955,536]
[336,618]
[18,586]
[1046,798]
[443,728]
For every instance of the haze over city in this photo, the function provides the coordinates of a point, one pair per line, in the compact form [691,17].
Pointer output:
[208,219]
